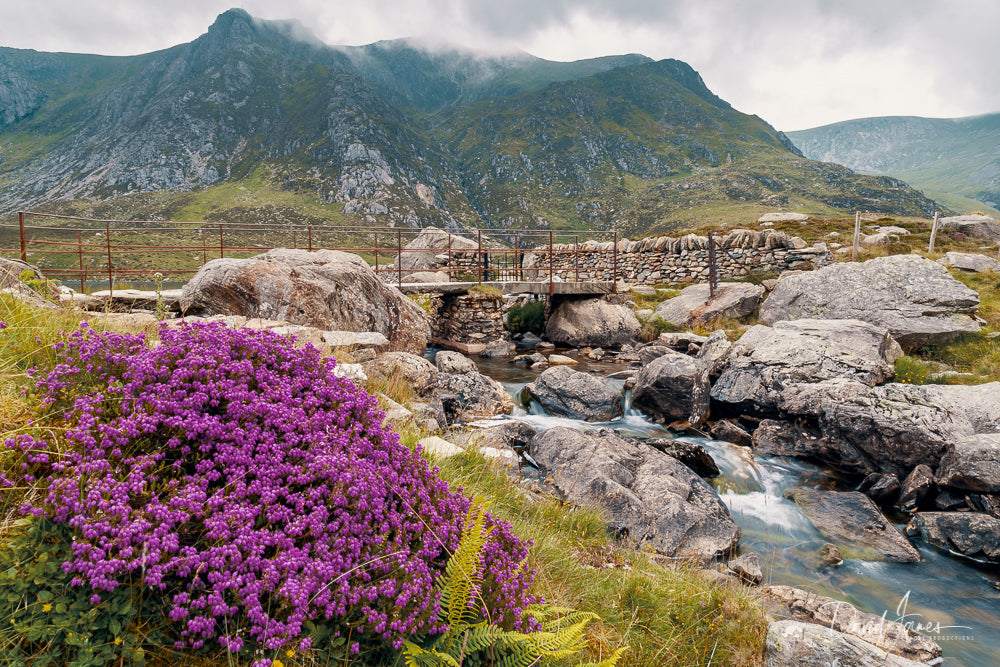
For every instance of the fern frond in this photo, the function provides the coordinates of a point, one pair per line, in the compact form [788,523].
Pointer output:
[612,660]
[463,579]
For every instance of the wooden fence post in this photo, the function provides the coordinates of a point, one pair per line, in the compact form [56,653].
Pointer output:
[934,228]
[857,236]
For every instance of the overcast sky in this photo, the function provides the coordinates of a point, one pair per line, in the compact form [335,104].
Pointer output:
[795,63]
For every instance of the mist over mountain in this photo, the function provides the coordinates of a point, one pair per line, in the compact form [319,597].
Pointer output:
[401,134]
[943,156]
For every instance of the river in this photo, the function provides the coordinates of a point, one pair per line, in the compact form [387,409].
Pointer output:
[954,601]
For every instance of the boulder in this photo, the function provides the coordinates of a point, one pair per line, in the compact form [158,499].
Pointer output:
[423,250]
[439,447]
[714,353]
[730,431]
[970,534]
[513,435]
[693,305]
[967,261]
[797,644]
[852,521]
[564,392]
[679,341]
[356,340]
[673,387]
[498,349]
[326,289]
[779,216]
[649,498]
[915,487]
[592,322]
[470,395]
[691,454]
[11,272]
[891,636]
[883,488]
[447,361]
[976,226]
[914,298]
[979,403]
[890,428]
[765,360]
[774,437]
[402,367]
[972,464]
[747,568]
[561,360]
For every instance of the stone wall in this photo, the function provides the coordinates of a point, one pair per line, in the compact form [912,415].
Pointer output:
[669,260]
[467,322]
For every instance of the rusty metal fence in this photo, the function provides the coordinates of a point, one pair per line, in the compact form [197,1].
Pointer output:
[93,251]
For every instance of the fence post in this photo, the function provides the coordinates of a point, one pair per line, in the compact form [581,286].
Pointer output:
[222,247]
[614,265]
[479,250]
[449,258]
[517,259]
[204,248]
[713,269]
[107,242]
[310,238]
[552,287]
[295,239]
[79,250]
[376,253]
[576,251]
[24,242]
[399,258]
[934,228]
[857,236]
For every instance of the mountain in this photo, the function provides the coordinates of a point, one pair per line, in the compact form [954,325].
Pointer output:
[944,156]
[258,119]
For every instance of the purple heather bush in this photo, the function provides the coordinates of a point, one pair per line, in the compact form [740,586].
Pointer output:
[235,474]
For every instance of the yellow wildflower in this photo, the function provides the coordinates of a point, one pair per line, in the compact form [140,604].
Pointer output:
[277,663]
[118,640]
[290,653]
[47,606]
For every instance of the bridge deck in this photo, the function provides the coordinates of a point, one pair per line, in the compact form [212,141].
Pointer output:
[595,288]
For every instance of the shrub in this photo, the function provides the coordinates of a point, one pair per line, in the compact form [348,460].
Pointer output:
[260,494]
[530,316]
[654,326]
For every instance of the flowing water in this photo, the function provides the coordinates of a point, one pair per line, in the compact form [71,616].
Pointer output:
[954,601]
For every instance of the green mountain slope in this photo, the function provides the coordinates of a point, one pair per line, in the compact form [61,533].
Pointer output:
[396,134]
[953,156]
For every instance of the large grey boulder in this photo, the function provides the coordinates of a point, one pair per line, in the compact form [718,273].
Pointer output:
[643,494]
[890,428]
[972,464]
[694,306]
[421,253]
[855,524]
[467,394]
[564,392]
[968,261]
[326,289]
[673,387]
[592,322]
[976,226]
[890,636]
[798,644]
[916,299]
[971,534]
[765,360]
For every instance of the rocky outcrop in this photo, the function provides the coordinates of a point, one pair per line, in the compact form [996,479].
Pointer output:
[326,289]
[421,254]
[564,392]
[797,644]
[766,360]
[852,521]
[592,322]
[976,226]
[889,635]
[971,534]
[967,261]
[972,464]
[694,306]
[914,298]
[646,496]
[691,454]
[673,387]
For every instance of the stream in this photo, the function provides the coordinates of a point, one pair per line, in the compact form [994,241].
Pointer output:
[954,601]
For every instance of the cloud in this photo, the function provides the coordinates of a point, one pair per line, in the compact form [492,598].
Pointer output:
[796,63]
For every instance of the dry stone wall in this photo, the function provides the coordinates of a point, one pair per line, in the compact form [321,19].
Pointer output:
[467,322]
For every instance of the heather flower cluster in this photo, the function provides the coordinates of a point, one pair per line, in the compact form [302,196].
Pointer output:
[235,474]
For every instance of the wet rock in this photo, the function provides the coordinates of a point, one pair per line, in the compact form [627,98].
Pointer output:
[973,262]
[883,488]
[693,305]
[533,358]
[972,534]
[972,464]
[564,392]
[673,387]
[529,339]
[796,644]
[766,360]
[801,439]
[830,555]
[645,495]
[917,485]
[594,322]
[853,521]
[729,431]
[513,435]
[470,395]
[326,289]
[891,636]
[561,360]
[596,354]
[498,349]
[447,361]
[679,341]
[949,501]
[691,454]
[988,503]
[747,568]
[916,299]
